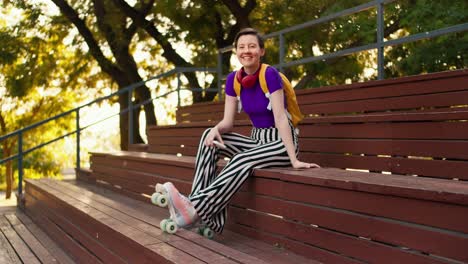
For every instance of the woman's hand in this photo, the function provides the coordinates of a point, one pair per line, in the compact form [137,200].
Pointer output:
[297,164]
[213,135]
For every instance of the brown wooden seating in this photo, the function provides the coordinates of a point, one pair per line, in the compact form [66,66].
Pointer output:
[410,126]
[98,226]
[393,187]
[319,212]
[21,241]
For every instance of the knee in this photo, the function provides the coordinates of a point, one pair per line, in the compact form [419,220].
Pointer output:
[205,133]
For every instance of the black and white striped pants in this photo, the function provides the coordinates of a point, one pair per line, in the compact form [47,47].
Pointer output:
[211,193]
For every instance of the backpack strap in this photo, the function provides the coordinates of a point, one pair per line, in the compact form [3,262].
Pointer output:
[237,90]
[263,83]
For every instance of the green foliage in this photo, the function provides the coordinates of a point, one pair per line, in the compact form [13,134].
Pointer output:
[442,53]
[40,76]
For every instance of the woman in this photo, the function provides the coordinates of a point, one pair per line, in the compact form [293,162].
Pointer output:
[273,141]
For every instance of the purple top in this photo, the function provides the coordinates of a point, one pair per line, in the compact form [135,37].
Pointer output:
[254,102]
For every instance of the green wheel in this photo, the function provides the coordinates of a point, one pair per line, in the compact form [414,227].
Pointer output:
[171,227]
[208,233]
[163,224]
[162,200]
[154,198]
[200,230]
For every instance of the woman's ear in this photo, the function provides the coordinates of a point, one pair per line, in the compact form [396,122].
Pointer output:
[262,52]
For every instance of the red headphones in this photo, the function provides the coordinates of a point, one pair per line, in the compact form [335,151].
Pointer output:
[249,80]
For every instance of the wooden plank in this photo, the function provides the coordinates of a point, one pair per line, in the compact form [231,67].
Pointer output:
[361,249]
[38,212]
[102,234]
[444,216]
[419,131]
[260,249]
[173,253]
[187,131]
[378,228]
[175,150]
[123,209]
[430,189]
[52,247]
[201,107]
[66,221]
[455,149]
[444,169]
[444,114]
[145,173]
[384,104]
[7,252]
[20,247]
[373,90]
[118,177]
[306,250]
[34,245]
[420,82]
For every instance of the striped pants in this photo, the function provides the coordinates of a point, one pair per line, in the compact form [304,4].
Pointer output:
[212,192]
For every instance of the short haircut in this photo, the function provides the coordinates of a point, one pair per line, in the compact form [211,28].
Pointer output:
[249,31]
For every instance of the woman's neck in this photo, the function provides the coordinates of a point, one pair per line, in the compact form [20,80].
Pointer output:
[251,70]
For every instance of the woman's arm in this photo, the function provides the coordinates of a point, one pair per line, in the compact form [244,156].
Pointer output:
[282,124]
[225,125]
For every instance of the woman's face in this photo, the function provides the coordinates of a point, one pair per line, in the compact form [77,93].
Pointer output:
[248,52]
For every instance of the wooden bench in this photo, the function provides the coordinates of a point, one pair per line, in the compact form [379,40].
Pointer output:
[317,213]
[98,226]
[21,241]
[408,138]
[411,126]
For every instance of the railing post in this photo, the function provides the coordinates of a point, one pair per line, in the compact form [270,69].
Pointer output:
[178,89]
[130,117]
[20,163]
[78,131]
[220,73]
[380,39]
[281,51]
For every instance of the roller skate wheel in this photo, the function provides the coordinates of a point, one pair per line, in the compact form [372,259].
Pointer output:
[163,225]
[154,198]
[162,200]
[160,188]
[208,233]
[171,227]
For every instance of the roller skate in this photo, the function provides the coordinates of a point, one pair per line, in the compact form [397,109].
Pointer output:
[159,197]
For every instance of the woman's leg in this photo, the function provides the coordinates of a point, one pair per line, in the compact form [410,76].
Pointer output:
[263,149]
[207,157]
[210,202]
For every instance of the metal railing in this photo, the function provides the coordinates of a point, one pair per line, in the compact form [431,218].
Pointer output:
[21,152]
[379,45]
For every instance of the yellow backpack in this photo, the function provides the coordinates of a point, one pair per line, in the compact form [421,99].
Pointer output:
[293,107]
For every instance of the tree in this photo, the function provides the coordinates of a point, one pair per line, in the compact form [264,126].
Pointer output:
[39,74]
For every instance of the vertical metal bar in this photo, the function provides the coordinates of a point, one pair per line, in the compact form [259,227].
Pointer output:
[130,117]
[78,131]
[20,163]
[281,52]
[220,73]
[380,39]
[178,89]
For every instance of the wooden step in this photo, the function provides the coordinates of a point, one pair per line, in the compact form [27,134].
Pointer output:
[102,226]
[22,241]
[402,218]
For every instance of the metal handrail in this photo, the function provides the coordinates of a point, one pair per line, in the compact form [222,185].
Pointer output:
[379,45]
[128,89]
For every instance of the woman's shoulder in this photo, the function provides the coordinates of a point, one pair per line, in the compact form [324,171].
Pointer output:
[271,71]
